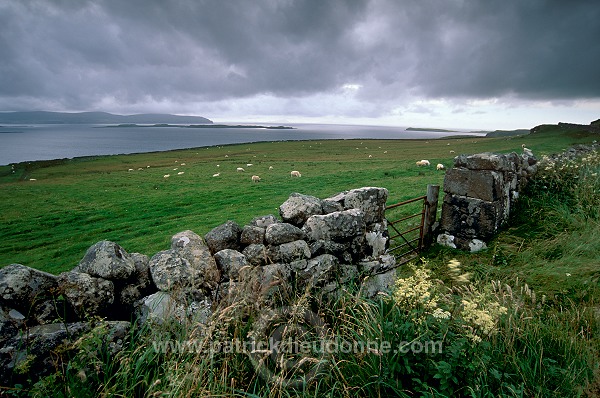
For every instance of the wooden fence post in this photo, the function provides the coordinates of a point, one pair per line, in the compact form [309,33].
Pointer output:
[431,205]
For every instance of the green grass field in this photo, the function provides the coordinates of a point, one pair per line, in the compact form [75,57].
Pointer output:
[49,223]
[519,319]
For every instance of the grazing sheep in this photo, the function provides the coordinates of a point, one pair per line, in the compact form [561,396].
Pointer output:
[130,170]
[370,156]
[182,164]
[423,162]
[240,169]
[526,151]
[216,174]
[295,173]
[32,179]
[452,151]
[180,173]
[270,167]
[255,178]
[249,165]
[167,175]
[440,166]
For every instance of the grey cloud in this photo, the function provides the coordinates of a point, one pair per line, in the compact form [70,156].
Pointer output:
[76,54]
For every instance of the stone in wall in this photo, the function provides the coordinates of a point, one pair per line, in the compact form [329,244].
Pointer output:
[86,294]
[21,286]
[298,208]
[107,260]
[225,236]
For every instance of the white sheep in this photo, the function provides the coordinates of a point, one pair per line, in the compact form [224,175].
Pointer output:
[167,175]
[180,173]
[249,165]
[423,162]
[240,169]
[270,167]
[452,151]
[130,170]
[440,166]
[295,173]
[216,174]
[527,151]
[255,178]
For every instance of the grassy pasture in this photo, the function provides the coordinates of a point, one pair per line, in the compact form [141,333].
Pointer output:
[49,222]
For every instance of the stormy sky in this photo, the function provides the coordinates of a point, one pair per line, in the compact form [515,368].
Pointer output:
[438,63]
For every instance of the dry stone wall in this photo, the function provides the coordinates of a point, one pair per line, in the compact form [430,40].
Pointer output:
[315,245]
[479,192]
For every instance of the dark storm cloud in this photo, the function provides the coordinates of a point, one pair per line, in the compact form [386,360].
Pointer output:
[79,55]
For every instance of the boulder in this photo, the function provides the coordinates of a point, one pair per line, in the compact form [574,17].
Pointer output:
[318,270]
[32,355]
[8,326]
[337,226]
[225,236]
[377,284]
[288,252]
[252,235]
[20,286]
[139,284]
[279,233]
[256,254]
[370,201]
[298,208]
[107,260]
[485,161]
[162,307]
[230,262]
[87,295]
[171,271]
[195,250]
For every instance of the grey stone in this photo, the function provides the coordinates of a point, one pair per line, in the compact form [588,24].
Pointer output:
[252,235]
[378,238]
[256,254]
[338,226]
[288,252]
[380,265]
[107,260]
[36,348]
[161,307]
[225,236]
[370,201]
[20,286]
[230,262]
[319,270]
[279,233]
[298,208]
[195,250]
[375,285]
[264,221]
[485,161]
[471,218]
[486,185]
[171,271]
[8,326]
[87,295]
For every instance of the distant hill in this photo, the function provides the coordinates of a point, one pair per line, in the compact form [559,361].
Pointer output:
[507,133]
[43,117]
[593,127]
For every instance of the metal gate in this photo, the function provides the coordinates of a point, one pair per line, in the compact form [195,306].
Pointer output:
[417,220]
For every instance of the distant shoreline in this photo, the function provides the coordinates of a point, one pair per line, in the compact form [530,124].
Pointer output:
[200,126]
